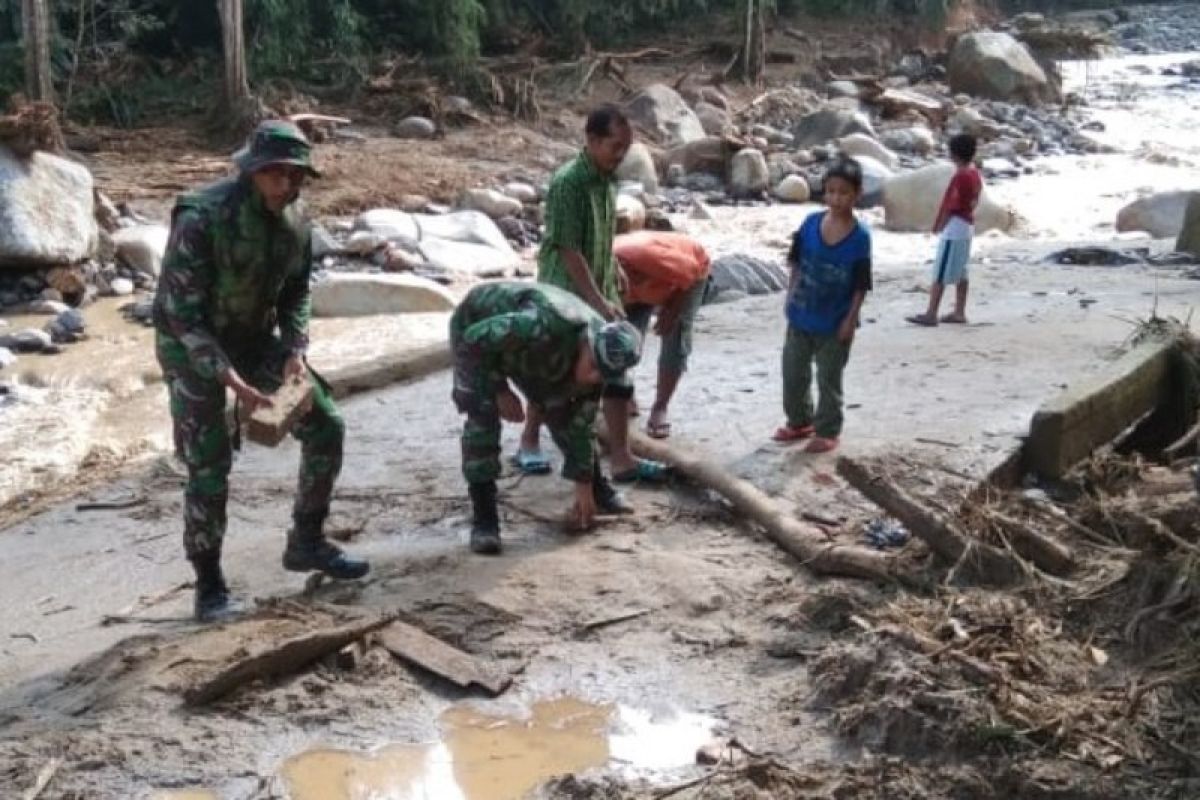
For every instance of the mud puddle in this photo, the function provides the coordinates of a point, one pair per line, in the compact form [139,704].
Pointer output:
[486,757]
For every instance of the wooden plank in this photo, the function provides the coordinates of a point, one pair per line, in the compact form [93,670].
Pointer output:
[415,646]
[1069,428]
[277,659]
[269,426]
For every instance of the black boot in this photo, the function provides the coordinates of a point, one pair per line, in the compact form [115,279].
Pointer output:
[309,551]
[485,520]
[608,499]
[213,602]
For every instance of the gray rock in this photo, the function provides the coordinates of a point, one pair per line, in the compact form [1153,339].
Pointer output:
[739,272]
[7,358]
[1161,215]
[638,165]
[416,128]
[121,287]
[49,308]
[323,243]
[713,119]
[995,65]
[521,192]
[50,293]
[703,182]
[29,340]
[662,112]
[749,175]
[47,211]
[843,89]
[142,247]
[822,127]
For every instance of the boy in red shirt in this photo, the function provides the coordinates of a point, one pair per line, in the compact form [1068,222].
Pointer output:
[956,225]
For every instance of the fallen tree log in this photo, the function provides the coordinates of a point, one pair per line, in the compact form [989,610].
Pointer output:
[280,658]
[805,542]
[983,562]
[1046,552]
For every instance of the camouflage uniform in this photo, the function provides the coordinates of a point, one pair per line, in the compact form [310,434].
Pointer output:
[232,275]
[529,334]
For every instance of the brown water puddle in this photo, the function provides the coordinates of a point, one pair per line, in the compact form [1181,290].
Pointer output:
[484,757]
[184,794]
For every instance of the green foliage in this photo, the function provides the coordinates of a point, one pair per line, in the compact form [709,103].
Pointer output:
[284,37]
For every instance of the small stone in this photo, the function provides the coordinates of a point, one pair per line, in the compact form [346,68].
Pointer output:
[793,189]
[7,358]
[416,128]
[29,340]
[521,192]
[52,294]
[72,321]
[50,308]
[701,211]
[120,287]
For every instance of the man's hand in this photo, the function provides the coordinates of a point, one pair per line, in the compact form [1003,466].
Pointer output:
[847,329]
[583,513]
[250,398]
[509,406]
[294,367]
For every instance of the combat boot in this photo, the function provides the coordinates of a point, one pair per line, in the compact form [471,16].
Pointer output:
[213,602]
[485,519]
[309,551]
[608,499]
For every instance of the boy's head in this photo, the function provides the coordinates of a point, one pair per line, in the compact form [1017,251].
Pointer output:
[842,186]
[962,148]
[609,136]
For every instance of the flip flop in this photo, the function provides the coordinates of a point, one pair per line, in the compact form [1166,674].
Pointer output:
[951,319]
[922,320]
[531,462]
[645,471]
[821,444]
[660,430]
[787,433]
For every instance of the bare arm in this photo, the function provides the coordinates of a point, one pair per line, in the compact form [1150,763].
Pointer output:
[585,284]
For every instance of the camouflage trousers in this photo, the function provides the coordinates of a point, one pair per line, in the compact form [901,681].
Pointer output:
[204,442]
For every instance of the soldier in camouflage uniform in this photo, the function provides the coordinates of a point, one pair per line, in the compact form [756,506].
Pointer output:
[559,352]
[232,312]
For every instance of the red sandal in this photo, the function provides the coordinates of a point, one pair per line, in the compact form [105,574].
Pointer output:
[788,433]
[822,444]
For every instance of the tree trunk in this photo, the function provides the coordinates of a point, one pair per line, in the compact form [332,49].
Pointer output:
[35,20]
[754,41]
[237,82]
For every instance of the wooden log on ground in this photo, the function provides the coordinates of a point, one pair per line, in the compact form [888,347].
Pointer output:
[270,425]
[280,658]
[415,646]
[804,542]
[982,561]
[1045,551]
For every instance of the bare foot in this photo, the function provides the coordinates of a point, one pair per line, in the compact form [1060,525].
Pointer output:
[955,319]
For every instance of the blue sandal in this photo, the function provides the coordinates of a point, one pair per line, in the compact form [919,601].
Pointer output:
[647,471]
[531,462]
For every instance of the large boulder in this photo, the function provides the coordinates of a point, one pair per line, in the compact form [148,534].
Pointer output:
[710,155]
[464,241]
[47,211]
[997,66]
[917,139]
[911,201]
[355,294]
[495,204]
[142,247]
[660,111]
[875,177]
[828,124]
[749,175]
[740,273]
[1160,215]
[859,144]
[1189,237]
[715,120]
[638,165]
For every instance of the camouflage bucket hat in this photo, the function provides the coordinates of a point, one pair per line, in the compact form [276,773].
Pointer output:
[276,142]
[618,348]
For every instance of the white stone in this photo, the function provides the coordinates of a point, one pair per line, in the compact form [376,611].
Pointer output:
[51,308]
[416,128]
[794,189]
[844,89]
[389,223]
[473,227]
[353,294]
[1160,215]
[468,258]
[631,213]
[859,144]
[7,357]
[911,201]
[490,202]
[662,112]
[47,211]
[638,165]
[364,243]
[521,192]
[748,173]
[829,123]
[121,287]
[142,247]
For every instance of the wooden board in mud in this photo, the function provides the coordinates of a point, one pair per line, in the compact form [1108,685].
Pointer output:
[413,645]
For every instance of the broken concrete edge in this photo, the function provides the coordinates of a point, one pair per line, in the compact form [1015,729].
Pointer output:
[1070,427]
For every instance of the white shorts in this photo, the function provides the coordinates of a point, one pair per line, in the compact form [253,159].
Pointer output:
[950,265]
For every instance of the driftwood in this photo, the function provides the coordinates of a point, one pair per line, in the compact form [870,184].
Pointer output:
[280,658]
[983,562]
[805,542]
[1046,552]
[415,646]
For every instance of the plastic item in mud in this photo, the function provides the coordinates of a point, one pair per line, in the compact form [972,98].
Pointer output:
[884,533]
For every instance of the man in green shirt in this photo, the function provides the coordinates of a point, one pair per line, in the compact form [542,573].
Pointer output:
[558,352]
[577,256]
[231,312]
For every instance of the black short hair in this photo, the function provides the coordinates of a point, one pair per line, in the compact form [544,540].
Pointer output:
[603,119]
[848,169]
[963,147]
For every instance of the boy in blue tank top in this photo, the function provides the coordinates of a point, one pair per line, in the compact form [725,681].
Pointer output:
[830,262]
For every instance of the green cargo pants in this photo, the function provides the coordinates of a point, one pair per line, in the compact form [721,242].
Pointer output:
[800,352]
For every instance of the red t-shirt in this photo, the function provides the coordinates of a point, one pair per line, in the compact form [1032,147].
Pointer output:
[659,264]
[962,195]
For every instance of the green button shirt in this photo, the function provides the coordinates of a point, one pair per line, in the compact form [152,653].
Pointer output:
[581,215]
